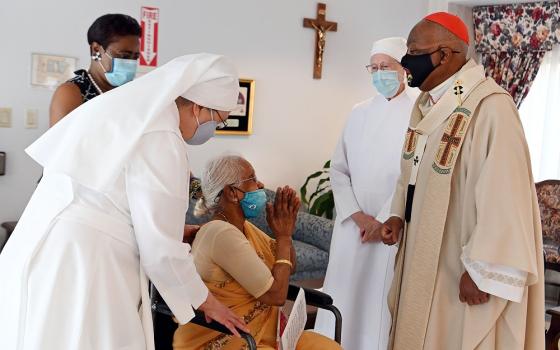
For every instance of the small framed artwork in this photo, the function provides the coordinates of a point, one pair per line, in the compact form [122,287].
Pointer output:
[240,121]
[51,70]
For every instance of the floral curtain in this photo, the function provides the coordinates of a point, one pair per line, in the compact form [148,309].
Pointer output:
[513,39]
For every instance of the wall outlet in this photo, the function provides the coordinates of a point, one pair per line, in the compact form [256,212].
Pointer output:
[31,118]
[5,117]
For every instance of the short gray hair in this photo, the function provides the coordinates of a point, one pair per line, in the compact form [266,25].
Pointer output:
[218,173]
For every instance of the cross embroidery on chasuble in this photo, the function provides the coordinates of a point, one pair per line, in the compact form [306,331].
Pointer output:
[410,143]
[450,142]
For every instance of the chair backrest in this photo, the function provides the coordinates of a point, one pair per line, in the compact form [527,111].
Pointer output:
[548,193]
[310,229]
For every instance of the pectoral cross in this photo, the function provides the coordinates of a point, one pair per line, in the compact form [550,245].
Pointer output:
[321,26]
[458,91]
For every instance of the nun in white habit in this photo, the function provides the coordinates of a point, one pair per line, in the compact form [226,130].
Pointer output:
[364,171]
[109,214]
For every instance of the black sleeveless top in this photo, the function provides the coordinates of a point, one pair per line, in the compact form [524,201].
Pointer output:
[84,83]
[87,89]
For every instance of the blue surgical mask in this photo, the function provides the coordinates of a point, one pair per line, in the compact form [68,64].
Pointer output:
[253,203]
[204,132]
[122,71]
[386,82]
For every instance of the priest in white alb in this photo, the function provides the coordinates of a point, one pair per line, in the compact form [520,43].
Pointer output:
[363,174]
[109,214]
[469,271]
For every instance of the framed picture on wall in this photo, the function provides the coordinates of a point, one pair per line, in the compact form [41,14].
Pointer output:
[51,70]
[240,121]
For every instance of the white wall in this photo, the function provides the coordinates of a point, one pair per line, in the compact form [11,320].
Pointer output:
[297,119]
[463,9]
[465,13]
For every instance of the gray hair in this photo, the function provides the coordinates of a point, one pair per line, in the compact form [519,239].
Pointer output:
[218,173]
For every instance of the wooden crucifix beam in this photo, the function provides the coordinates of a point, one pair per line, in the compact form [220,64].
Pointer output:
[321,27]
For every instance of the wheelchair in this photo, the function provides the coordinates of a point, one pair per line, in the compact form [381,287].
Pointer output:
[165,326]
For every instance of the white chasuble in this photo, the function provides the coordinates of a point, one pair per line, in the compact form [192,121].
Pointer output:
[470,205]
[363,174]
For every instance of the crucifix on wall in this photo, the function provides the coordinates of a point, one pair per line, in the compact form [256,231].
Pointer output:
[321,27]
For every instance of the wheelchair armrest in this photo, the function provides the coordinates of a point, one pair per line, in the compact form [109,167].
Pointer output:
[322,301]
[312,297]
[200,319]
[159,306]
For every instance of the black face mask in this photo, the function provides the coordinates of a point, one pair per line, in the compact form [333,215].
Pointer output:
[419,67]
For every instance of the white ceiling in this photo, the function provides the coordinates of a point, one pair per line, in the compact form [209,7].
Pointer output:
[488,2]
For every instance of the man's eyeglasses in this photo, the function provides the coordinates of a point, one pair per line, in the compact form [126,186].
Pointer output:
[372,68]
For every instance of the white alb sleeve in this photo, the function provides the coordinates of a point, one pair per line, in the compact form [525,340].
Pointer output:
[502,281]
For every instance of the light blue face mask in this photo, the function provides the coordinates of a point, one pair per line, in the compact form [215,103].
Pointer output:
[253,203]
[386,82]
[122,71]
[204,132]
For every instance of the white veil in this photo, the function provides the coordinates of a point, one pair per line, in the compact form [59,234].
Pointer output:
[93,143]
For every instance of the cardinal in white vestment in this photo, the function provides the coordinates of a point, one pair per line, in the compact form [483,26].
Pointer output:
[469,270]
[364,171]
[109,214]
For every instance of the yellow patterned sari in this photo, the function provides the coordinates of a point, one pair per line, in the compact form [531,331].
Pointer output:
[261,319]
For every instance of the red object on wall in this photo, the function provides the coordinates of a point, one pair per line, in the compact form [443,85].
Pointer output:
[149,41]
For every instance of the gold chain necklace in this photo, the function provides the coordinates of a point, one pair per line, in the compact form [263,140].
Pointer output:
[225,217]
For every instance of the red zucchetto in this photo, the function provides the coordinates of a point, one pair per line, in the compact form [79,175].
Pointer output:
[450,22]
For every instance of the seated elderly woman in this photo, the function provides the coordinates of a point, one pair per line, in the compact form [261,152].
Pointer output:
[243,267]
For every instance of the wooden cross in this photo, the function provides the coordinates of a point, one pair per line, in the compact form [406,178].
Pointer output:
[451,139]
[321,26]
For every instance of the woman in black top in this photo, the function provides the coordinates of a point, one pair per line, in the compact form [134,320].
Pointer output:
[114,48]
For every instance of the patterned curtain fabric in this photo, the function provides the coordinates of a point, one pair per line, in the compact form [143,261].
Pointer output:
[513,39]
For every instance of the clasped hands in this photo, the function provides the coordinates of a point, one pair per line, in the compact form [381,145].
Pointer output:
[372,230]
[368,226]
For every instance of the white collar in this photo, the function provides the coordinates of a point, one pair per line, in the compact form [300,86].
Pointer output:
[437,93]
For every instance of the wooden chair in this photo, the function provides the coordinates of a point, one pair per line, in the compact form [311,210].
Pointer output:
[553,333]
[548,193]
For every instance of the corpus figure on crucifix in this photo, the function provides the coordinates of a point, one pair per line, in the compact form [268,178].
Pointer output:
[321,35]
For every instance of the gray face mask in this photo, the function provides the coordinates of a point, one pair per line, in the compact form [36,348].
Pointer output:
[204,132]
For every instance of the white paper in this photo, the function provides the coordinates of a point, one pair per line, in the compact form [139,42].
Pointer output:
[296,323]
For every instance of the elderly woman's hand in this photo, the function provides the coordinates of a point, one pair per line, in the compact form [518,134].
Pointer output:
[281,216]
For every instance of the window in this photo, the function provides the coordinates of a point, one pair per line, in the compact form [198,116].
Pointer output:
[540,115]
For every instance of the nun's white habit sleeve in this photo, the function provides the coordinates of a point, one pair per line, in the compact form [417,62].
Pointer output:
[157,189]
